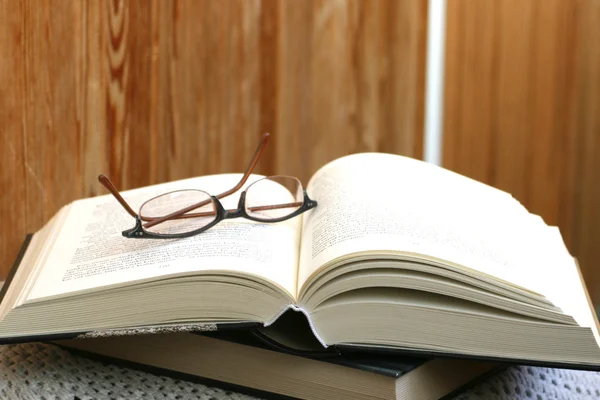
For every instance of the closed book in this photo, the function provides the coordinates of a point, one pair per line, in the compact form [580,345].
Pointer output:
[236,360]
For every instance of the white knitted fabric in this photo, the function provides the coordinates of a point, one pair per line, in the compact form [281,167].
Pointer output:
[41,371]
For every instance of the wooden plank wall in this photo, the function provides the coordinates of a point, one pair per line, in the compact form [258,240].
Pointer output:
[150,91]
[522,110]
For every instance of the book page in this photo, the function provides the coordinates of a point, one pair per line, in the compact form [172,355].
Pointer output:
[386,203]
[91,252]
[563,285]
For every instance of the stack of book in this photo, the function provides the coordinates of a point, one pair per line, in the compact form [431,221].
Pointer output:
[405,279]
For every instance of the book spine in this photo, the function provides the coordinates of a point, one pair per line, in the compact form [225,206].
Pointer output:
[148,330]
[164,329]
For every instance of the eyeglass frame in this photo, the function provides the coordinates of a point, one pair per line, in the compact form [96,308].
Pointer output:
[221,214]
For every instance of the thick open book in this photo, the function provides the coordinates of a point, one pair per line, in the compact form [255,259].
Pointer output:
[399,255]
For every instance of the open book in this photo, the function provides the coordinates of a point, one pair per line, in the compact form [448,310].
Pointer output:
[399,255]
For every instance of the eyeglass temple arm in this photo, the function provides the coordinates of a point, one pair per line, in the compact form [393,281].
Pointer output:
[112,189]
[256,208]
[253,162]
[249,169]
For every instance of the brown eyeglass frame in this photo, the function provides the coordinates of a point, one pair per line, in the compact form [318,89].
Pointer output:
[139,231]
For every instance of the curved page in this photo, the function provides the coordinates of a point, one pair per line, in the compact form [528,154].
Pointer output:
[90,251]
[375,204]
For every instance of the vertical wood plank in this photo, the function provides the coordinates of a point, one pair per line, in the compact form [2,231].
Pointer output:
[551,153]
[94,148]
[370,66]
[569,136]
[478,98]
[513,94]
[453,85]
[587,123]
[13,173]
[404,86]
[138,61]
[50,118]
[36,100]
[293,97]
[116,98]
[478,104]
[186,92]
[247,55]
[333,85]
[62,36]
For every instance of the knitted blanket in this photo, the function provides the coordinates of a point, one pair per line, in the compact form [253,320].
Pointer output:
[41,371]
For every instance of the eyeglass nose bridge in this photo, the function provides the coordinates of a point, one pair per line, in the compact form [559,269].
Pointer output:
[240,208]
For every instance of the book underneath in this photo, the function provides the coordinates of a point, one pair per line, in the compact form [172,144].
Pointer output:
[399,256]
[237,360]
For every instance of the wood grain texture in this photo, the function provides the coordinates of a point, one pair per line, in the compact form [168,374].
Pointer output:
[152,91]
[586,125]
[522,106]
[12,180]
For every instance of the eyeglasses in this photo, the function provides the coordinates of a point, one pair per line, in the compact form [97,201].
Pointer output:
[184,213]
